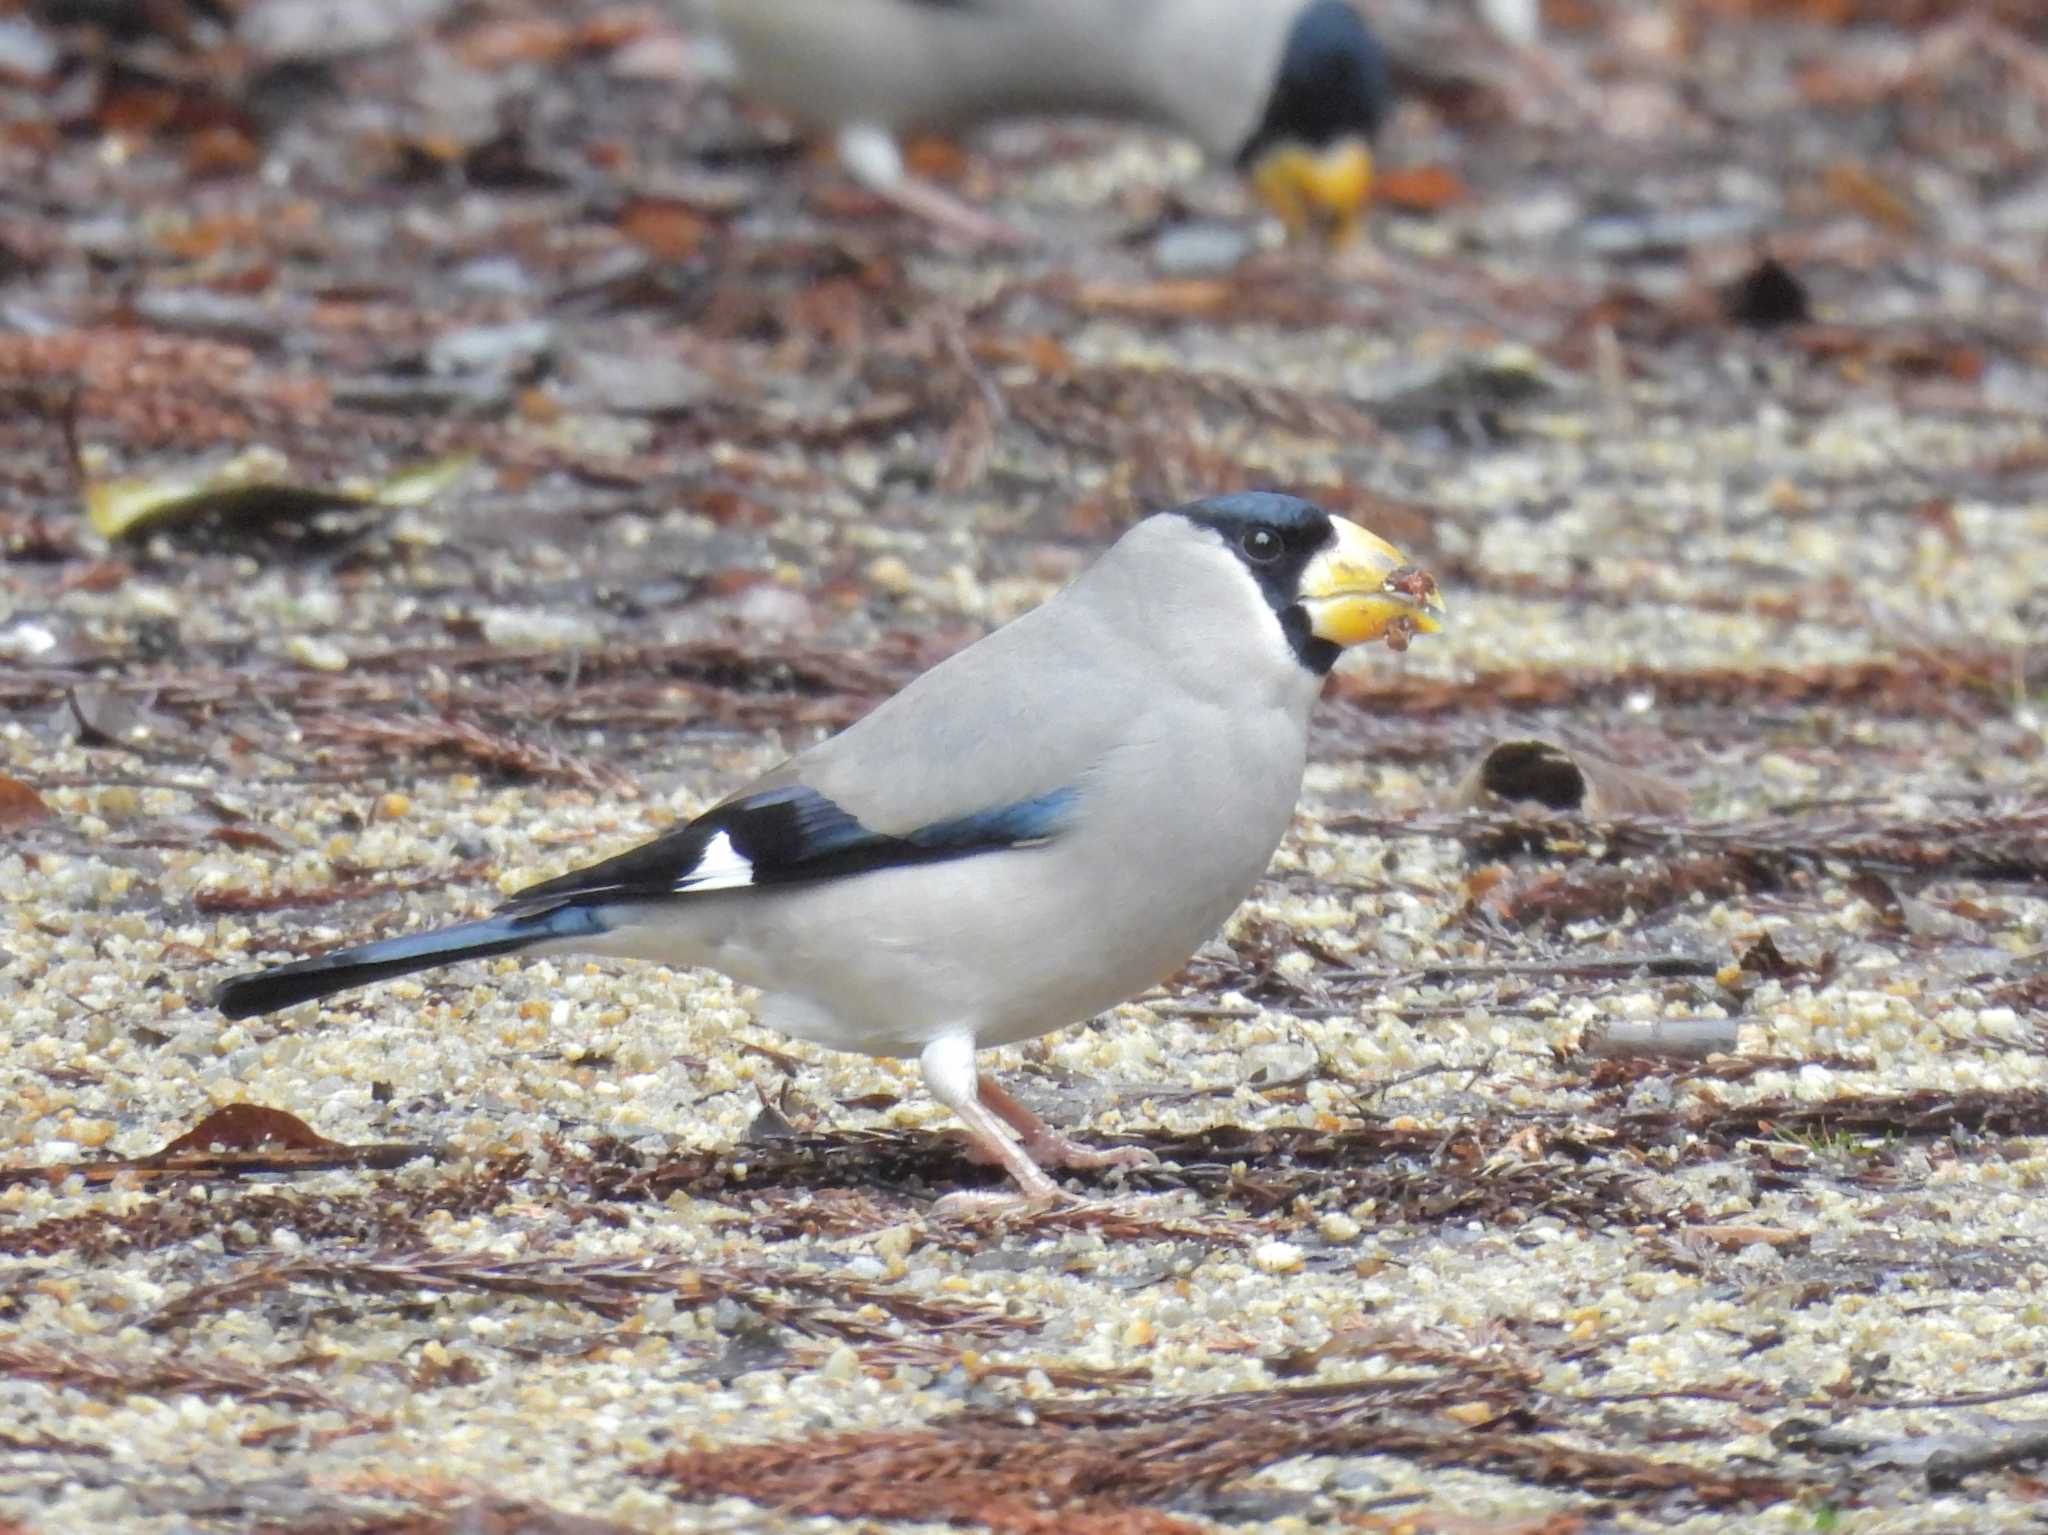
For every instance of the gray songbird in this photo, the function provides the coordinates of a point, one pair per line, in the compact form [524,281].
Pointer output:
[1292,92]
[1036,829]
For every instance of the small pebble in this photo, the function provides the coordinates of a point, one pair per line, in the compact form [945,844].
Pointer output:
[320,655]
[891,575]
[532,629]
[1277,1257]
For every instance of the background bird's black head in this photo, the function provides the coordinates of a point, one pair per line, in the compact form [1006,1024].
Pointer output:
[1333,83]
[1274,537]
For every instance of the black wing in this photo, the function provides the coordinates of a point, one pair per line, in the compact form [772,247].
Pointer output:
[786,835]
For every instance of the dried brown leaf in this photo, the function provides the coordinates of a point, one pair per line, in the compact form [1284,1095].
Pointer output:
[1421,188]
[248,1127]
[231,1142]
[20,805]
[1564,777]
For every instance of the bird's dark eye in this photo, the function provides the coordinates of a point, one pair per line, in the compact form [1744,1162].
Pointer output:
[1260,545]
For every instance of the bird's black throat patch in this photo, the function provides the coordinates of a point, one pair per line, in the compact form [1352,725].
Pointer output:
[1250,522]
[1333,82]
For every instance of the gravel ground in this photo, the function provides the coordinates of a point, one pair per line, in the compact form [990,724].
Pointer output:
[721,454]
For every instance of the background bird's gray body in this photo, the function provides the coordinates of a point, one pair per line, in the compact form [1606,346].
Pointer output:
[1203,67]
[1164,712]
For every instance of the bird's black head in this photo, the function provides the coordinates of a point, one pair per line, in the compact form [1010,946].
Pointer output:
[1330,583]
[1333,84]
[1275,537]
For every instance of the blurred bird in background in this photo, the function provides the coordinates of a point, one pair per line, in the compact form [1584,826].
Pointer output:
[1291,92]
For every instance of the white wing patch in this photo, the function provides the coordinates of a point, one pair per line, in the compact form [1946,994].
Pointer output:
[721,866]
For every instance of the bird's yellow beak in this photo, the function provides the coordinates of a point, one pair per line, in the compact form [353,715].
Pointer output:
[1317,189]
[1363,589]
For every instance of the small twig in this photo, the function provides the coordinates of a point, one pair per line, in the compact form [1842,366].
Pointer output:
[491,748]
[2004,841]
[1416,1076]
[1577,965]
[1947,1468]
[1970,1399]
[1690,1039]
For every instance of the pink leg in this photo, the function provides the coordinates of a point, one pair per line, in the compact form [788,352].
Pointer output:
[1045,1145]
[947,213]
[949,1072]
[870,155]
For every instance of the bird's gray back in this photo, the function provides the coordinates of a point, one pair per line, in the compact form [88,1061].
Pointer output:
[1201,66]
[1164,636]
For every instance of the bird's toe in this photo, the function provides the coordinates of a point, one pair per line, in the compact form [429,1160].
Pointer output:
[1058,1151]
[1114,1156]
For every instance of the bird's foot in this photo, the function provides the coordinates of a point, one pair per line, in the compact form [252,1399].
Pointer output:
[1051,1149]
[1002,1132]
[870,153]
[1048,1148]
[950,216]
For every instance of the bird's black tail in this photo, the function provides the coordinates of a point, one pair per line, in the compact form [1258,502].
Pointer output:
[265,991]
